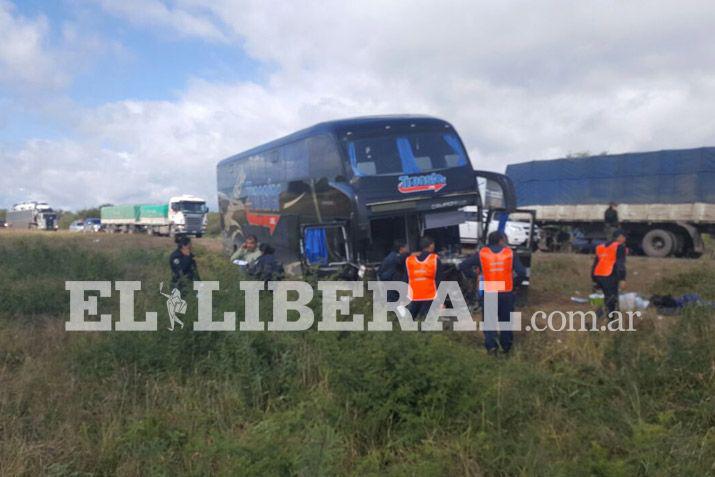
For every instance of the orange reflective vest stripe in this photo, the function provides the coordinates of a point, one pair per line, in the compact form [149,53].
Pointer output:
[606,259]
[421,277]
[497,267]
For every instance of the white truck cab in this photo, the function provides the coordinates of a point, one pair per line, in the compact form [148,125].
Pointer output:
[188,214]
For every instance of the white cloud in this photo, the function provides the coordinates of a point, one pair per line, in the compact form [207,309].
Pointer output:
[520,81]
[25,57]
[37,60]
[189,22]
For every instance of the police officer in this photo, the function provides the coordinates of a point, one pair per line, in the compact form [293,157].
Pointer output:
[392,268]
[609,270]
[497,263]
[424,273]
[183,265]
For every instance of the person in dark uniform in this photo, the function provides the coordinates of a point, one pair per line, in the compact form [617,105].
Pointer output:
[497,263]
[610,219]
[609,270]
[392,268]
[183,265]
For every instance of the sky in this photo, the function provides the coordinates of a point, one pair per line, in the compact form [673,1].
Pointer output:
[121,101]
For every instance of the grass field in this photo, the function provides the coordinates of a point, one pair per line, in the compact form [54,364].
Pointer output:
[309,404]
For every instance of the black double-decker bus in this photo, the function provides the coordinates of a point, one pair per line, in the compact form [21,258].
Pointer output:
[339,193]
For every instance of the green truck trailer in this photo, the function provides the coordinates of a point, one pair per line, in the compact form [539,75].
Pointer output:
[119,214]
[153,214]
[182,215]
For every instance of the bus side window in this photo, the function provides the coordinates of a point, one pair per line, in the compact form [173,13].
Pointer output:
[256,169]
[275,166]
[295,159]
[324,156]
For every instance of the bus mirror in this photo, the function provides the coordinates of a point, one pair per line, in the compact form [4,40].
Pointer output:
[493,195]
[496,190]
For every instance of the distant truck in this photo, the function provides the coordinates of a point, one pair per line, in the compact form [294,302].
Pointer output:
[182,215]
[32,215]
[666,199]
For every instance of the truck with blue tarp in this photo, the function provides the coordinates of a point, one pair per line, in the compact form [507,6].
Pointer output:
[338,194]
[665,199]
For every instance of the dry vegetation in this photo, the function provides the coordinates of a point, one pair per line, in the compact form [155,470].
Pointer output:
[187,403]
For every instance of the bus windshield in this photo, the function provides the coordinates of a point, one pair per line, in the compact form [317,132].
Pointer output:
[409,153]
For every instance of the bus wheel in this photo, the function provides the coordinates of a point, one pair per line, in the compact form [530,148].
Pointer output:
[658,243]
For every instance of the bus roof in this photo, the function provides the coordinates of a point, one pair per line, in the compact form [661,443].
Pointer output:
[331,127]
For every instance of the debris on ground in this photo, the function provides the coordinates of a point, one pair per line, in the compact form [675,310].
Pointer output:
[632,302]
[670,305]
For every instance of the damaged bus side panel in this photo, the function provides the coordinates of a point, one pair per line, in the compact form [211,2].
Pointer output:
[339,194]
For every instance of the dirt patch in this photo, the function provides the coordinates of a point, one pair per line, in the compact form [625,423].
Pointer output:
[557,277]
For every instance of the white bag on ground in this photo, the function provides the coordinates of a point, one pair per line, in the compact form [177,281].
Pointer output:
[632,302]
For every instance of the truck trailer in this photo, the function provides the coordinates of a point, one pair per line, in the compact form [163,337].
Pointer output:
[32,215]
[336,196]
[182,215]
[666,199]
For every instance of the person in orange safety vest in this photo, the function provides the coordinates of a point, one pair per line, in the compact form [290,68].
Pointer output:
[424,273]
[609,270]
[497,263]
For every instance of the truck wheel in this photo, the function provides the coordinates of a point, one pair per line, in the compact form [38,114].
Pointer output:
[198,235]
[658,243]
[678,243]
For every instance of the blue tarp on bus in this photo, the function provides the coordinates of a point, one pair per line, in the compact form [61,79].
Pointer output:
[316,246]
[665,177]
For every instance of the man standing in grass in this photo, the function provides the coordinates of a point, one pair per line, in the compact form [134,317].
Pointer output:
[610,219]
[609,270]
[424,273]
[183,265]
[392,268]
[498,265]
